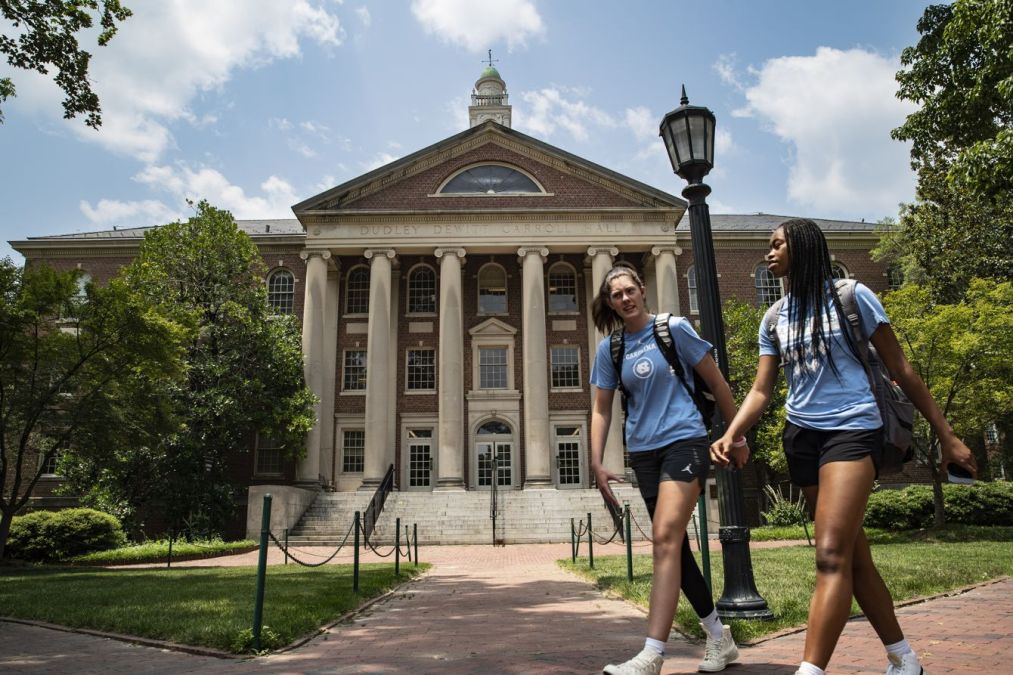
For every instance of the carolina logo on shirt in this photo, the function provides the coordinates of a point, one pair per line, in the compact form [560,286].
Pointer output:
[812,361]
[643,368]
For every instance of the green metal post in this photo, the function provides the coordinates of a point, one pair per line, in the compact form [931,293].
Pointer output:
[415,539]
[397,547]
[705,548]
[573,542]
[286,545]
[258,605]
[590,542]
[355,559]
[168,560]
[629,543]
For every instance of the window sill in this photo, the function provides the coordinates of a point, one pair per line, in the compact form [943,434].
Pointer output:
[566,390]
[419,392]
[352,392]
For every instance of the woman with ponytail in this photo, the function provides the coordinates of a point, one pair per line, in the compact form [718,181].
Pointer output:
[668,447]
[832,437]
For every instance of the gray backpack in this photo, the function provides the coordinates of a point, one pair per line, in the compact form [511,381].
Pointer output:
[894,407]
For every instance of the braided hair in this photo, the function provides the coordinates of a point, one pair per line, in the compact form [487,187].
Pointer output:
[810,277]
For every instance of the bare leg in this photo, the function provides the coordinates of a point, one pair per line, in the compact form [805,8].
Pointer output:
[675,506]
[868,586]
[843,493]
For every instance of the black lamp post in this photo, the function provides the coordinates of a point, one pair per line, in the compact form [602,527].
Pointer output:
[689,137]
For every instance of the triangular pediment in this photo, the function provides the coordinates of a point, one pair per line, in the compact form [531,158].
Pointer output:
[492,328]
[411,184]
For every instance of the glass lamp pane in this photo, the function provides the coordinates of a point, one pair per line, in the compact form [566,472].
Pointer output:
[697,136]
[682,142]
[709,133]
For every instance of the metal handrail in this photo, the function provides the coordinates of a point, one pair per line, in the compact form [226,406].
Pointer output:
[375,507]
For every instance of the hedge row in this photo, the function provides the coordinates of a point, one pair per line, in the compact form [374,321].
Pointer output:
[913,508]
[49,536]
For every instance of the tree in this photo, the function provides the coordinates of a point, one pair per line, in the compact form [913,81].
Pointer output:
[244,375]
[742,326]
[959,74]
[47,39]
[76,381]
[964,353]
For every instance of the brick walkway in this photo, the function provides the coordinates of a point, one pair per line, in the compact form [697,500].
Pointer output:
[512,610]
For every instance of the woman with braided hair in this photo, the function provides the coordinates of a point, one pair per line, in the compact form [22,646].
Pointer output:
[668,446]
[833,435]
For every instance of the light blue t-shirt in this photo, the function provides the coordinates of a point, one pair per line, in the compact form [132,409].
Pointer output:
[823,399]
[660,409]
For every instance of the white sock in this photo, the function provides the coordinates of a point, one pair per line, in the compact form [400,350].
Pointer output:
[656,645]
[807,668]
[712,624]
[898,648]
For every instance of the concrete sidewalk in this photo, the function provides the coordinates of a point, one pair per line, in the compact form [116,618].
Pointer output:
[512,610]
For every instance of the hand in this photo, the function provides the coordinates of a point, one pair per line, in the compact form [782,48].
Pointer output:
[602,478]
[725,452]
[955,452]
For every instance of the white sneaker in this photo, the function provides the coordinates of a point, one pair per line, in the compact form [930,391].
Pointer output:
[718,653]
[904,664]
[647,662]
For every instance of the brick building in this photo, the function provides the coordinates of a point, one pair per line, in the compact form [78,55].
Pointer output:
[446,297]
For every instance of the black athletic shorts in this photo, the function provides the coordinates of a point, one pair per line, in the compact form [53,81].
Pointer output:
[809,449]
[683,461]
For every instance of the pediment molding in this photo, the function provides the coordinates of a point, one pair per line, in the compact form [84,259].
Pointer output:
[492,327]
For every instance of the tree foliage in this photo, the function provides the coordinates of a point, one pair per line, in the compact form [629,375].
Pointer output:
[79,379]
[961,76]
[742,326]
[244,376]
[964,353]
[47,39]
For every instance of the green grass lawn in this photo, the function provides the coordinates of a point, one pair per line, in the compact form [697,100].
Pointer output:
[912,563]
[158,551]
[209,607]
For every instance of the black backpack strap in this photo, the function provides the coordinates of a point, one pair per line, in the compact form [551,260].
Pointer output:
[617,347]
[666,343]
[846,292]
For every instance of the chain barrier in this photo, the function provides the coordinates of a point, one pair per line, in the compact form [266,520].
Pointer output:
[602,540]
[306,564]
[373,548]
[642,533]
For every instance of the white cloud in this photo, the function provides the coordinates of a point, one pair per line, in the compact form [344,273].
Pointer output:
[480,25]
[725,68]
[835,110]
[364,17]
[550,108]
[379,160]
[723,143]
[183,182]
[110,212]
[642,123]
[169,52]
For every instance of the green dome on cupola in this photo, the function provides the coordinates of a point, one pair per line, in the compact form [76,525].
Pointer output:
[490,72]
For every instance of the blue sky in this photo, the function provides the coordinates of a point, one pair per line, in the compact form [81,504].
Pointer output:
[257,104]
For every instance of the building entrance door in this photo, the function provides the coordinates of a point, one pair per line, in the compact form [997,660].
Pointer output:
[420,459]
[568,450]
[502,451]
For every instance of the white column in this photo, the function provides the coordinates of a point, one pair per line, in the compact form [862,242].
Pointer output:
[308,470]
[450,449]
[330,364]
[537,452]
[379,453]
[667,278]
[601,263]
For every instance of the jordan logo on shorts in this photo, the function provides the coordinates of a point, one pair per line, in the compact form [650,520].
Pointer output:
[689,468]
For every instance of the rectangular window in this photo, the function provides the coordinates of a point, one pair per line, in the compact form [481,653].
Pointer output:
[420,457]
[355,370]
[268,457]
[565,367]
[492,367]
[421,375]
[50,465]
[568,455]
[353,451]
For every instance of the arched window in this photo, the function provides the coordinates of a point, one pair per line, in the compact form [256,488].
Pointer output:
[281,291]
[562,288]
[694,302]
[768,287]
[422,290]
[490,179]
[838,271]
[894,276]
[492,290]
[357,291]
[494,427]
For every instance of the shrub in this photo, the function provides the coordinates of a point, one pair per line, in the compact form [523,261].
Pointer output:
[48,536]
[783,510]
[912,507]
